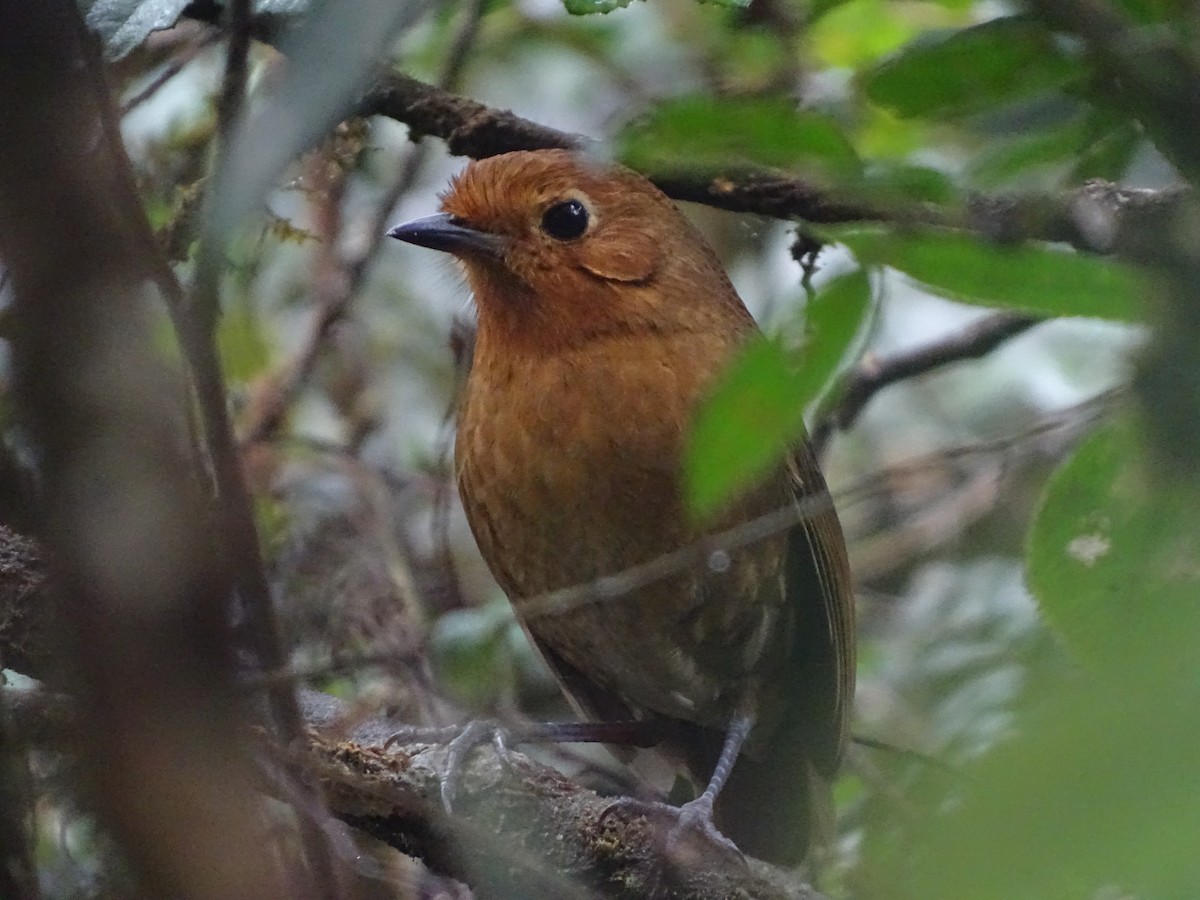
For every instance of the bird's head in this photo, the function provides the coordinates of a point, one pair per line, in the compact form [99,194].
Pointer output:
[559,249]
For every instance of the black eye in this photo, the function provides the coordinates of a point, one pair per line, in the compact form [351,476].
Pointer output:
[565,221]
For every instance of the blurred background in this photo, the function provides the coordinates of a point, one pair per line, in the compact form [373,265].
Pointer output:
[342,352]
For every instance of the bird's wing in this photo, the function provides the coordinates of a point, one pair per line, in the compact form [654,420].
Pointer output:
[820,591]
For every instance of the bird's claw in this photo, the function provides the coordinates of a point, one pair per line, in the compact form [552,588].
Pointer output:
[472,735]
[459,740]
[692,836]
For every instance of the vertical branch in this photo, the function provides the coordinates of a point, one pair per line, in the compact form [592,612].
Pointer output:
[197,321]
[197,324]
[339,280]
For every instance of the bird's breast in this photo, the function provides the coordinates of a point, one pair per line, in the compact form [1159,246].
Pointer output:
[569,470]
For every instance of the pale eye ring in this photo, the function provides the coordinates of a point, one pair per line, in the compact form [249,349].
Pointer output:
[566,220]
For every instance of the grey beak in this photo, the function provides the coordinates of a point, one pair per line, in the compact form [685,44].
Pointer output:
[445,232]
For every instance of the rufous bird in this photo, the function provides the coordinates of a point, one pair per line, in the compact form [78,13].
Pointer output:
[603,318]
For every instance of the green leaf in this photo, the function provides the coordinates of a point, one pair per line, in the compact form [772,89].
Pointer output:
[1031,278]
[1112,560]
[756,410]
[1089,796]
[859,33]
[589,7]
[703,132]
[471,653]
[1094,798]
[1110,155]
[972,70]
[1155,11]
[888,183]
[1003,160]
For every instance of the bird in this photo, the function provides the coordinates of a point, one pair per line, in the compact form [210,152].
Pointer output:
[604,318]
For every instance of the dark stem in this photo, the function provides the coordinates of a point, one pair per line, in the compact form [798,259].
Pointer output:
[870,376]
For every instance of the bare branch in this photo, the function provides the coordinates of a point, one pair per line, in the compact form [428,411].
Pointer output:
[469,128]
[520,829]
[861,383]
[338,281]
[1098,217]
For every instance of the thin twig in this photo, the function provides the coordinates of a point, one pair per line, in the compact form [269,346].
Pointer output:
[198,339]
[340,284]
[906,753]
[861,383]
[234,508]
[178,63]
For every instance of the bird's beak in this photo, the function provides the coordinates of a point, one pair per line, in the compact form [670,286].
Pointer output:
[445,232]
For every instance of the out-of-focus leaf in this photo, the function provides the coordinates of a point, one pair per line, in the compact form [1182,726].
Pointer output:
[886,183]
[704,132]
[1096,145]
[1087,799]
[1029,278]
[756,410]
[1110,155]
[969,71]
[483,655]
[124,24]
[820,7]
[1005,159]
[471,652]
[310,98]
[1084,799]
[589,7]
[1112,560]
[1092,799]
[1153,11]
[854,34]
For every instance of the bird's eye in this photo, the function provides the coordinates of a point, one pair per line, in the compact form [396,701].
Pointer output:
[565,221]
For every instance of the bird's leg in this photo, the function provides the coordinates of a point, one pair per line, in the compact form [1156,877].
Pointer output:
[460,740]
[696,815]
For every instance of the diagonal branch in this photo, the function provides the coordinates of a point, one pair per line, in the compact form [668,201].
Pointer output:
[860,384]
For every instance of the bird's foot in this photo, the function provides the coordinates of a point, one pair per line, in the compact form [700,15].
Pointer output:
[692,835]
[459,740]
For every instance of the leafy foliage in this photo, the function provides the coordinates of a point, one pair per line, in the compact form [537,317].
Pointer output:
[757,409]
[589,7]
[1113,558]
[1032,279]
[1089,791]
[972,70]
[708,133]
